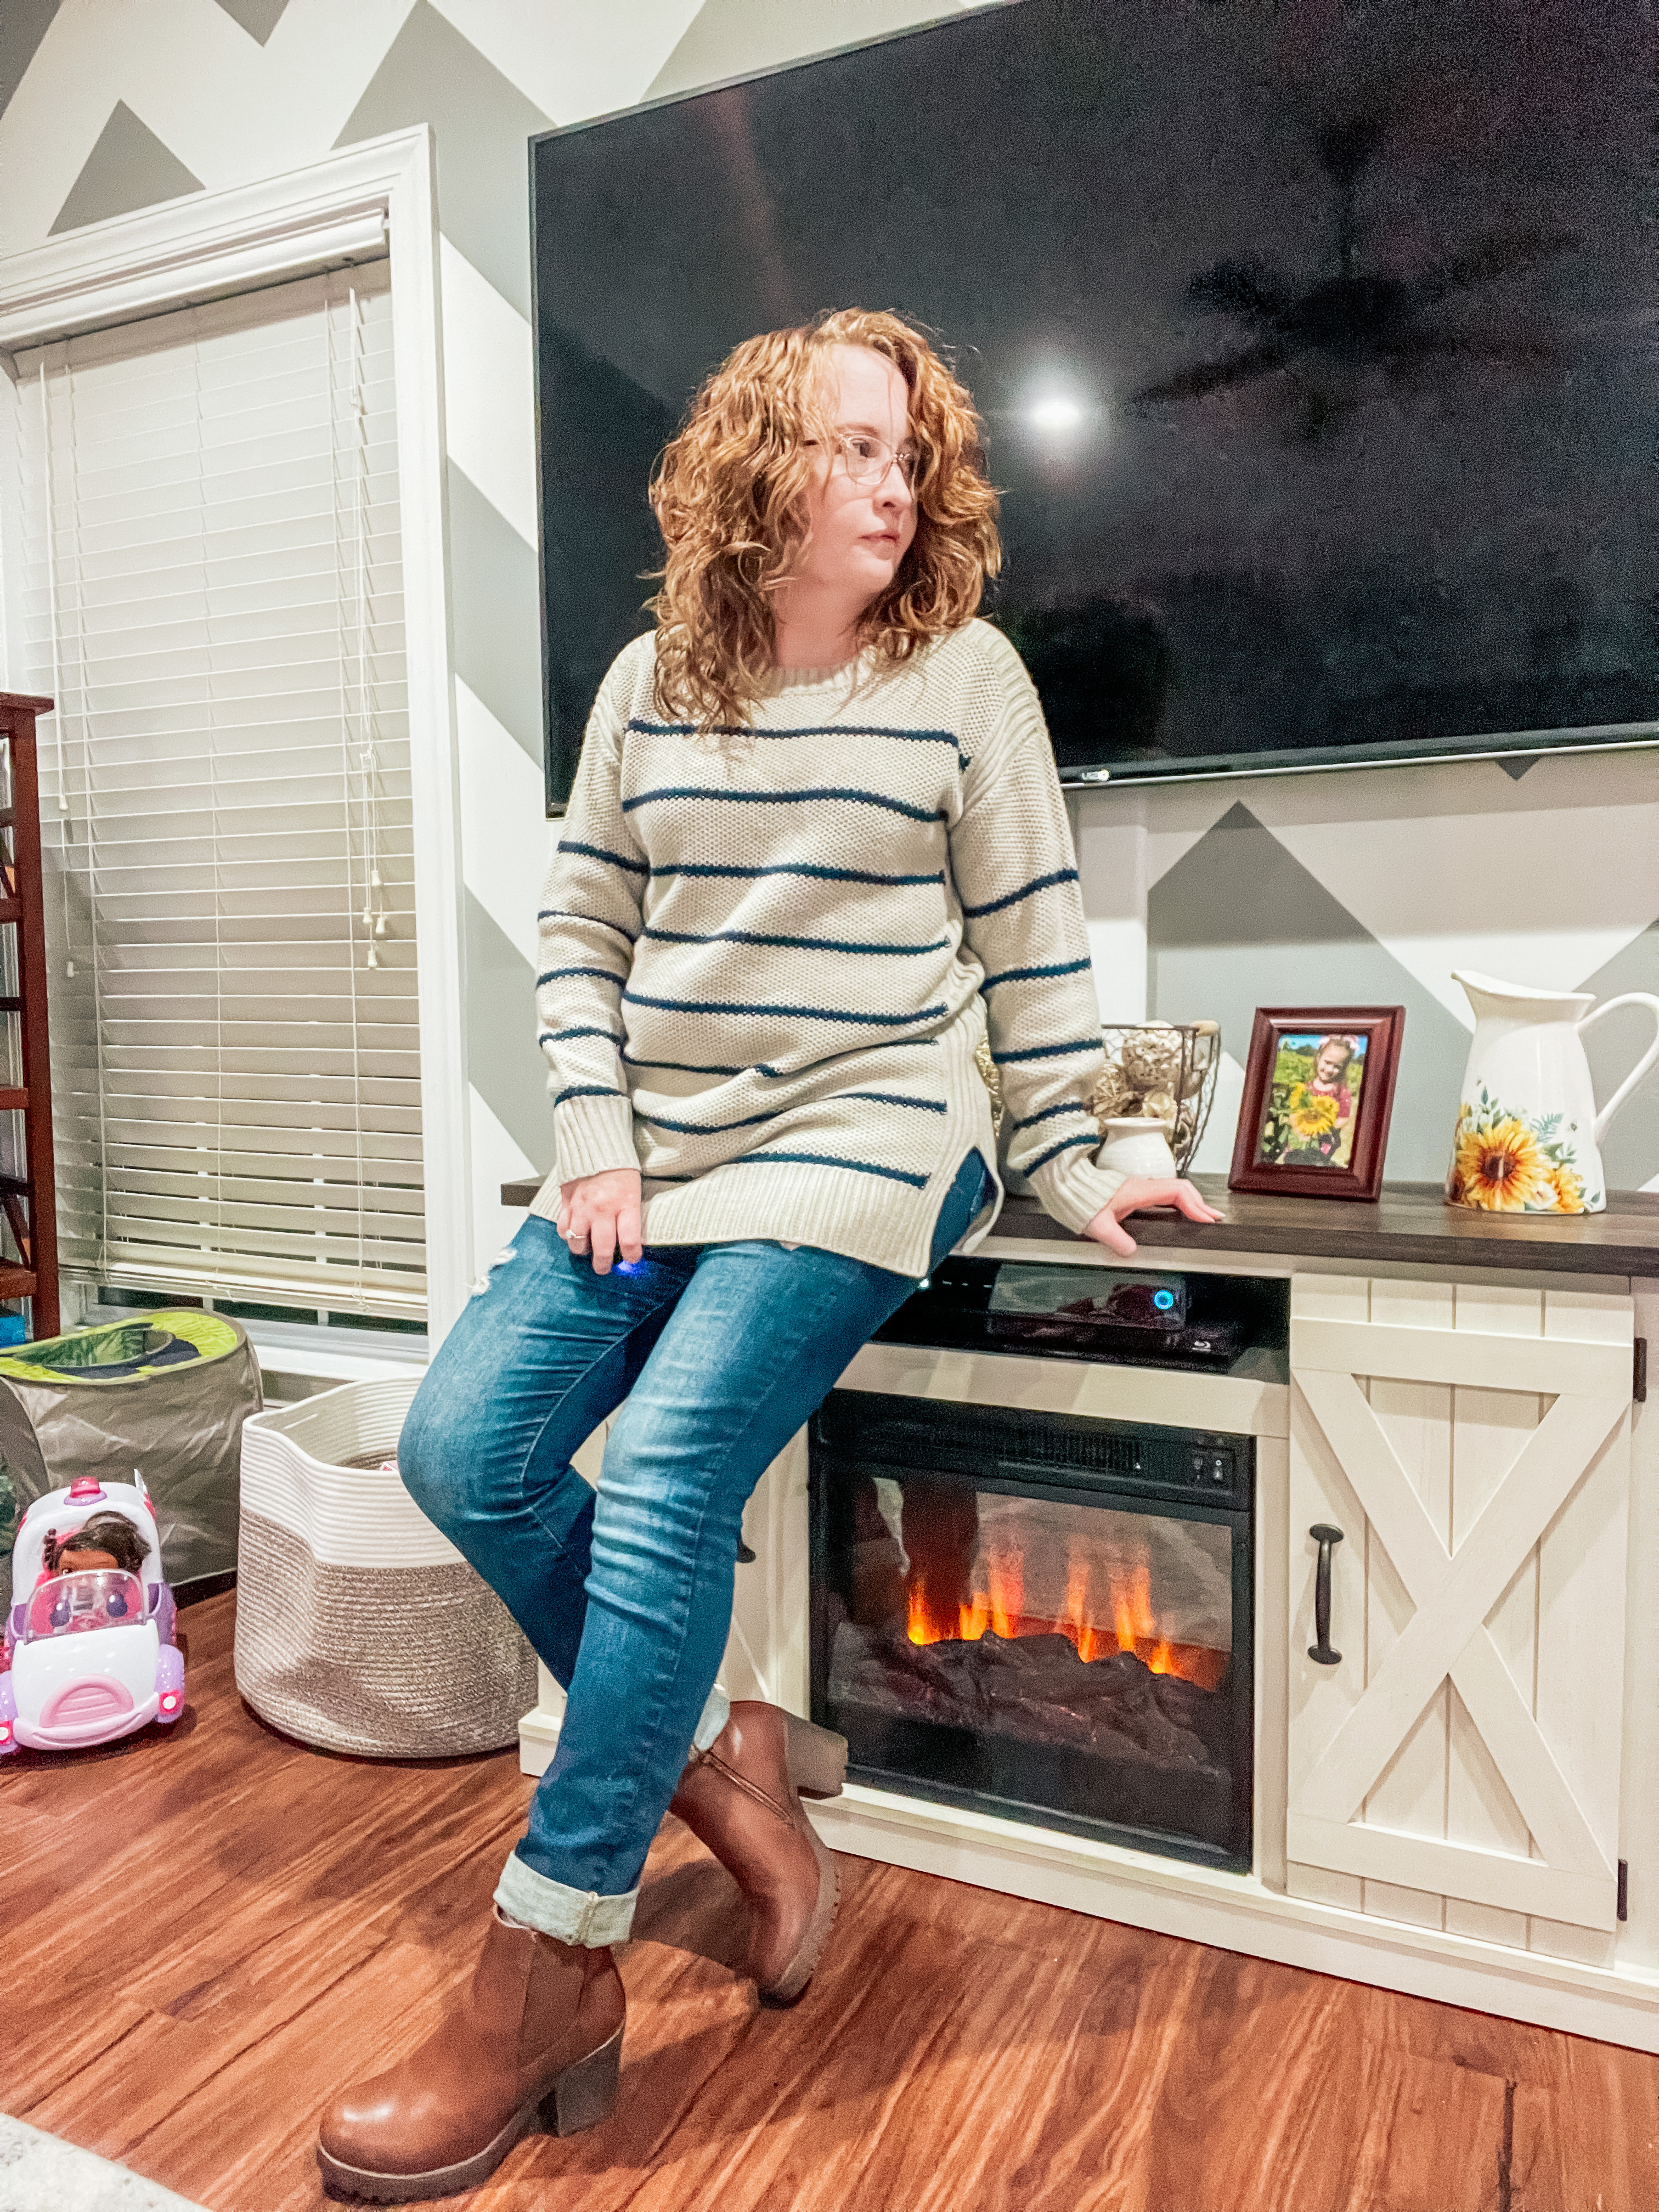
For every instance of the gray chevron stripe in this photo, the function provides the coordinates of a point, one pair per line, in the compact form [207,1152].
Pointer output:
[1239,923]
[497,612]
[24,24]
[503,1058]
[481,123]
[128,167]
[737,38]
[1630,1152]
[259,18]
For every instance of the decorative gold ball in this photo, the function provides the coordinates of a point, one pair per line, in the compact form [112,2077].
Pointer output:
[1159,1106]
[1111,1094]
[1152,1058]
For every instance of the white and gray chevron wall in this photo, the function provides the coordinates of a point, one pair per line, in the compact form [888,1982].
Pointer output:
[1208,899]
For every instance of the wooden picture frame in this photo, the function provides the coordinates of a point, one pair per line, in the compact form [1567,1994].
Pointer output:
[1307,1127]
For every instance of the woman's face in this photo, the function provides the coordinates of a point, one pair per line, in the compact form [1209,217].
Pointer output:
[858,532]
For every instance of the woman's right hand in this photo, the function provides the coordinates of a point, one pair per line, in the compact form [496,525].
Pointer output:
[600,1214]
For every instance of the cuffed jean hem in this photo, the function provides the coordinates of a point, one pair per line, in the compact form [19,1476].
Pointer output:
[715,1714]
[574,1916]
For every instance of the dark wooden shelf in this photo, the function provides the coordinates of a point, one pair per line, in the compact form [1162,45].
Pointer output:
[1411,1223]
[28,1199]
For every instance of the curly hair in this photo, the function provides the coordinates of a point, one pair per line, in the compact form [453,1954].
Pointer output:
[730,498]
[104,1532]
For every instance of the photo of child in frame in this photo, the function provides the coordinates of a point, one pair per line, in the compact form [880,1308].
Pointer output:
[1308,1116]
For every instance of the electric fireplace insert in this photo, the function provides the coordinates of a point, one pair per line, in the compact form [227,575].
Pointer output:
[1041,1615]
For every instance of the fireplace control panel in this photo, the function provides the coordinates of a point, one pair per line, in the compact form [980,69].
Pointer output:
[1213,1464]
[1057,1451]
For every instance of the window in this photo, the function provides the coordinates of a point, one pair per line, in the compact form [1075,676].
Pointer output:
[207,578]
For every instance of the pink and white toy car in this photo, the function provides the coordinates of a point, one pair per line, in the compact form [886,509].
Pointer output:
[88,1650]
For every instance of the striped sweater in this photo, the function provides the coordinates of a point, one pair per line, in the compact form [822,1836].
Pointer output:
[768,957]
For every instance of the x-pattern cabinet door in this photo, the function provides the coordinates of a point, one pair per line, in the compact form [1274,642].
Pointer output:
[1459,1766]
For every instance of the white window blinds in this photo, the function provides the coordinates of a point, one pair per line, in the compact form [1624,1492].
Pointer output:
[206,577]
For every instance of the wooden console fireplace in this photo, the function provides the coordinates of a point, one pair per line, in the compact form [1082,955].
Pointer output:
[1463,1803]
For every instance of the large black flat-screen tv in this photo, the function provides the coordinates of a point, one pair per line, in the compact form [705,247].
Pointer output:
[1316,347]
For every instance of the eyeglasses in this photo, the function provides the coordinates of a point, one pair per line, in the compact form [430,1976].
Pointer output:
[868,459]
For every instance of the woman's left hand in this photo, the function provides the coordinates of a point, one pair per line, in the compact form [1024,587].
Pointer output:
[1138,1192]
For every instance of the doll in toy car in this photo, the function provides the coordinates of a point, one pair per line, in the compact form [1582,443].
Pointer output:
[88,1651]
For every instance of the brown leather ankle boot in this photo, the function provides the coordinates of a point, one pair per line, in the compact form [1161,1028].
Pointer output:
[540,2026]
[741,1798]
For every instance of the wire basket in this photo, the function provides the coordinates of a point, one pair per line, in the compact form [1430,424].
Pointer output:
[1162,1072]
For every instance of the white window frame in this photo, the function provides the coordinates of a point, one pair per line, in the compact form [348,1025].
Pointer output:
[351,205]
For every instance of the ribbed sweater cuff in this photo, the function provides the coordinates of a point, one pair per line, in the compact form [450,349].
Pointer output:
[593,1135]
[1073,1189]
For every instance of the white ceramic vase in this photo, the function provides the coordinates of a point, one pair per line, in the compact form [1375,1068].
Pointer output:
[1135,1146]
[1529,1134]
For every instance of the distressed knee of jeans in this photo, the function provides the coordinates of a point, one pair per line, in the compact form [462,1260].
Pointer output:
[482,1283]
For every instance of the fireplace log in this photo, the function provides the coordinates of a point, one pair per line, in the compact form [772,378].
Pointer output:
[1036,1688]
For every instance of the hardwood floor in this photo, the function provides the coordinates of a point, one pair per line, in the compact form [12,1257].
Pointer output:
[207,1932]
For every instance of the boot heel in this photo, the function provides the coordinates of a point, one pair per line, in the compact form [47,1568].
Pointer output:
[817,1757]
[584,2093]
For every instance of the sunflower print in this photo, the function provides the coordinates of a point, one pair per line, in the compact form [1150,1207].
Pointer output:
[1501,1163]
[1501,1169]
[1569,1189]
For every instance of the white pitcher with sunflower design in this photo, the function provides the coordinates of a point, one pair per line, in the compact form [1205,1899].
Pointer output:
[1529,1134]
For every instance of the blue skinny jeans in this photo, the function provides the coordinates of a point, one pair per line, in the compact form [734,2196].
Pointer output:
[717,1354]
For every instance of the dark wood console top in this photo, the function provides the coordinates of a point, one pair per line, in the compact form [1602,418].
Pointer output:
[1411,1223]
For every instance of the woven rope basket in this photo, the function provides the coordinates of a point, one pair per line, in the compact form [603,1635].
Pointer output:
[359,1627]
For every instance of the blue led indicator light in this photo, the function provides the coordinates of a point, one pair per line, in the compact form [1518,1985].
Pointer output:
[1163,1300]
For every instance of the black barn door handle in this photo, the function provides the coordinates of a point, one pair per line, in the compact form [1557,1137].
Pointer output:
[1321,1653]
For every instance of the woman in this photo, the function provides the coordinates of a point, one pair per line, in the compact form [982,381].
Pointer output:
[816,843]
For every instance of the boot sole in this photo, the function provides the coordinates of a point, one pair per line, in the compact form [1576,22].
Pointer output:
[796,1975]
[816,1758]
[584,2094]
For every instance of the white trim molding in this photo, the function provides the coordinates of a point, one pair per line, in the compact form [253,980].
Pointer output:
[357,204]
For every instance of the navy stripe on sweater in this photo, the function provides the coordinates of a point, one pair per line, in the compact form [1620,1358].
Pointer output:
[589,1091]
[792,1013]
[804,730]
[552,974]
[1066,1144]
[598,853]
[794,868]
[1049,1114]
[559,1036]
[1033,975]
[892,1098]
[797,944]
[834,1160]
[684,1067]
[1026,890]
[786,798]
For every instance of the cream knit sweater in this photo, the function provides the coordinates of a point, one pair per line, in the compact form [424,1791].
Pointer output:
[767,956]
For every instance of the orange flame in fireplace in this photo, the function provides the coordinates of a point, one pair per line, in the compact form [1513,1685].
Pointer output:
[1127,1604]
